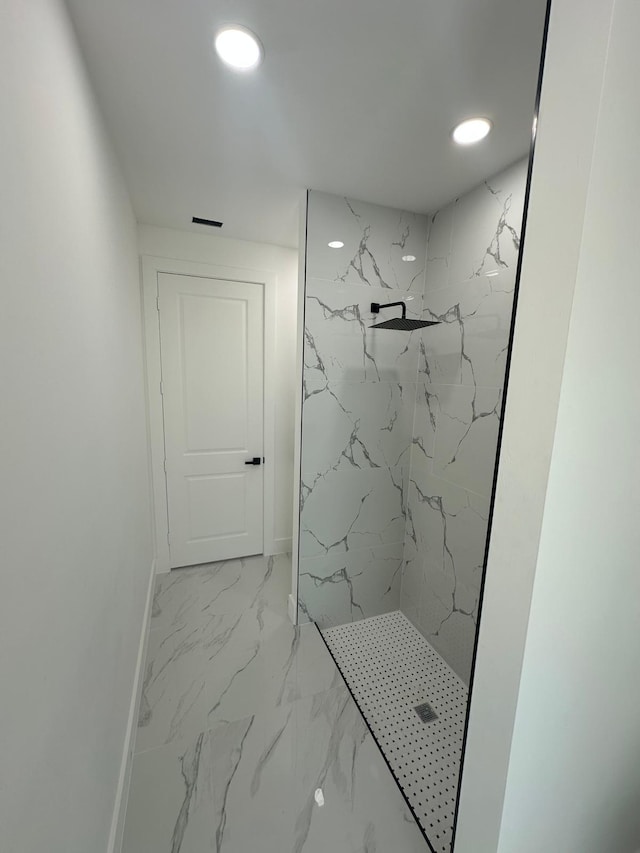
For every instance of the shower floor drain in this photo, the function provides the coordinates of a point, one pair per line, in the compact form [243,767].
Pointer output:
[426,712]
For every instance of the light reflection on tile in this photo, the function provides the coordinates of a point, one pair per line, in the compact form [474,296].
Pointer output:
[376,238]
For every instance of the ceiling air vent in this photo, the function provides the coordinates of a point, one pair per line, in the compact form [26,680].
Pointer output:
[212,222]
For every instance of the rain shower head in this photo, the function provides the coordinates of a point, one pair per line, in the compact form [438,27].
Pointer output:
[402,324]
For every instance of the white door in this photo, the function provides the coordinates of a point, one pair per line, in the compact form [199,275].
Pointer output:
[211,342]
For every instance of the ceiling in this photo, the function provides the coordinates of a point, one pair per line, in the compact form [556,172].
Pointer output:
[356,97]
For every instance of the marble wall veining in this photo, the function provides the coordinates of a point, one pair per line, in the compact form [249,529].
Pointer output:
[472,254]
[358,401]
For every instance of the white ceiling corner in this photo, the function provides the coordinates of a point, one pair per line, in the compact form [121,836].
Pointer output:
[355,98]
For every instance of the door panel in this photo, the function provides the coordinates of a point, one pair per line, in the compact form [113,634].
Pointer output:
[224,491]
[206,419]
[211,337]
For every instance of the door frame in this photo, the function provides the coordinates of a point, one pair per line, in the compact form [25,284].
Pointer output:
[152,266]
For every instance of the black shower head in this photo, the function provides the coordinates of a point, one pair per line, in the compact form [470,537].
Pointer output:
[402,324]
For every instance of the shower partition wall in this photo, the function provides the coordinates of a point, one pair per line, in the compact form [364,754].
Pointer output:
[358,401]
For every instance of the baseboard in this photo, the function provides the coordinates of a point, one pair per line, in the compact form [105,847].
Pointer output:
[293,610]
[120,808]
[282,546]
[277,546]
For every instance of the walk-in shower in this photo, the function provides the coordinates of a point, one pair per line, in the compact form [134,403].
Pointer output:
[399,437]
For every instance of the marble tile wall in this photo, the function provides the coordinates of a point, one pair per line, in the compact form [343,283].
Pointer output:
[472,254]
[358,401]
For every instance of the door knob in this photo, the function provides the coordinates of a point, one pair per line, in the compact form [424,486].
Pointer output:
[255,461]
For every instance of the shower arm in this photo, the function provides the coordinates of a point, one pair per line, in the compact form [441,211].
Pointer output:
[376,307]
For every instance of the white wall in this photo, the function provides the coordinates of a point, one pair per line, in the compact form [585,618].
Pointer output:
[223,251]
[74,490]
[578,763]
[567,498]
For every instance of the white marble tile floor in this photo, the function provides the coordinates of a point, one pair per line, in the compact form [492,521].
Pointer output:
[248,738]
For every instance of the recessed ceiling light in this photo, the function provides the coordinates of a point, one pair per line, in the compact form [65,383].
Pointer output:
[239,48]
[472,130]
[336,244]
[409,258]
